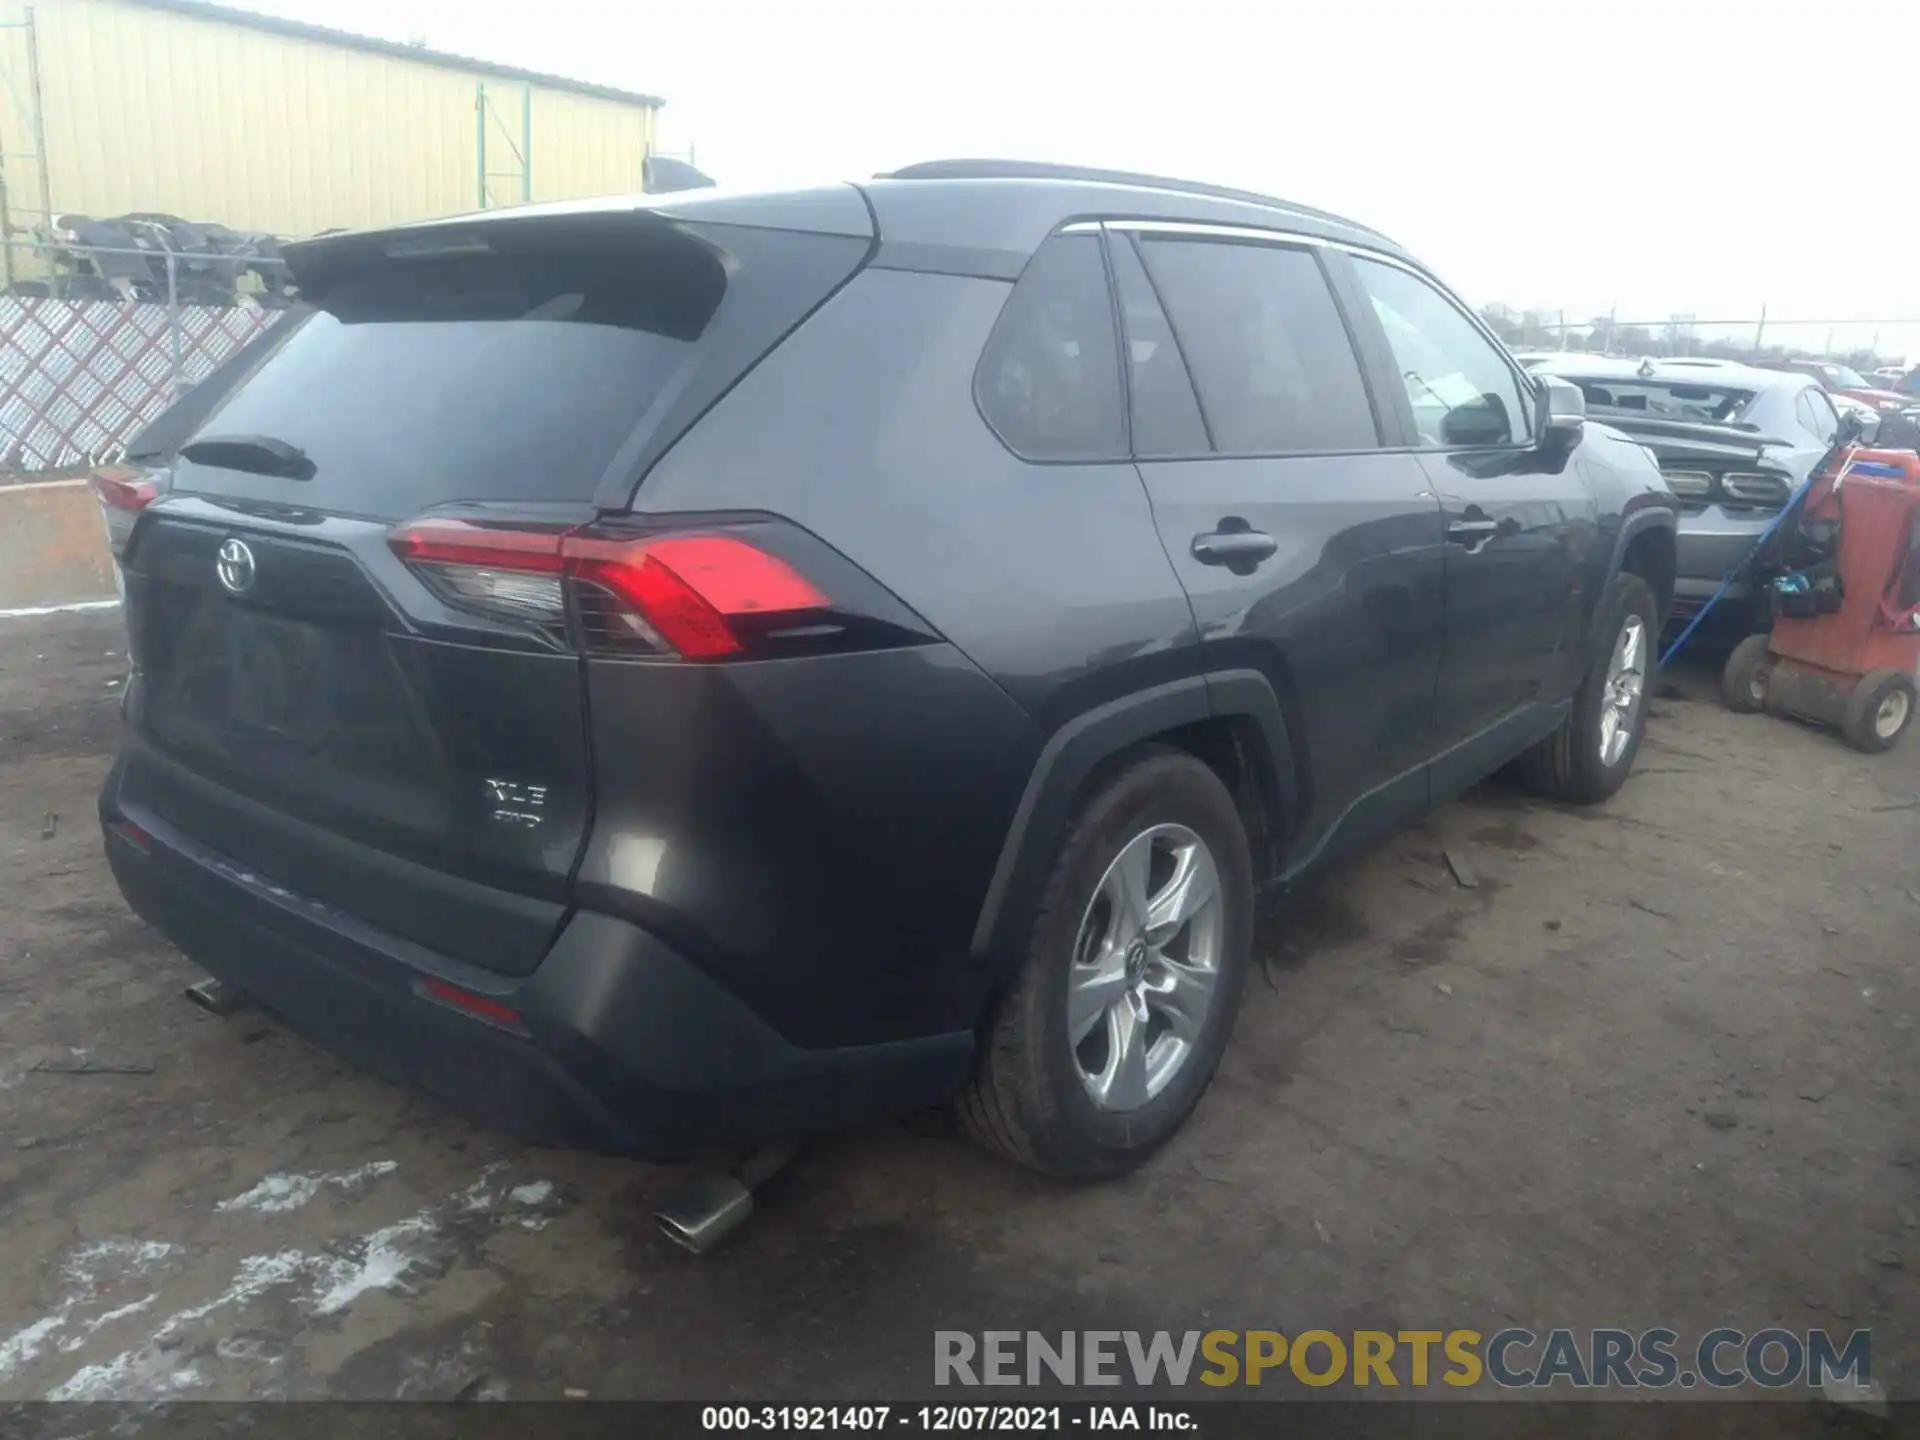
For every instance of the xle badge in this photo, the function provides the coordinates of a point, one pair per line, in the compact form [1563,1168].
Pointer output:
[516,804]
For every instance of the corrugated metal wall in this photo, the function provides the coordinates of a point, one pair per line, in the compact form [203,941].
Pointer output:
[149,110]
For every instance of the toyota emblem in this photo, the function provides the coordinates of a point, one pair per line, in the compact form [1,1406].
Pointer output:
[234,566]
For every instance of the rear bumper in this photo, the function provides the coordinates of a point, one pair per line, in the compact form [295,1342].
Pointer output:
[623,1046]
[1709,544]
[1706,548]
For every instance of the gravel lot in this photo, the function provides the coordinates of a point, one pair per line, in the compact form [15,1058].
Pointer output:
[1658,1066]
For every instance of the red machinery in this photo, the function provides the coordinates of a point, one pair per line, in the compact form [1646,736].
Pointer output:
[1846,634]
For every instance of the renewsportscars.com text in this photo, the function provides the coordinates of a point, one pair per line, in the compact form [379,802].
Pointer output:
[1511,1359]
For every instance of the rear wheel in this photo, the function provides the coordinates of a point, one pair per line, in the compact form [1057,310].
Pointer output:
[1131,981]
[1587,759]
[1879,710]
[1743,683]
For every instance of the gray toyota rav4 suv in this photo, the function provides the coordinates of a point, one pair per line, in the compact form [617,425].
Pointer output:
[678,671]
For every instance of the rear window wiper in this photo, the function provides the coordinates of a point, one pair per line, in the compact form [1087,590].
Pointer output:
[255,454]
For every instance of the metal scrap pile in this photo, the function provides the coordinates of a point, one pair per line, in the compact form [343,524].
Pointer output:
[126,259]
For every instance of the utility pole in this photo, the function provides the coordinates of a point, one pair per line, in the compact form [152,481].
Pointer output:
[1760,330]
[39,122]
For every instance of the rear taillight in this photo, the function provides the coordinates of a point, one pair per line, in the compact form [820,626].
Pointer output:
[1689,484]
[1756,487]
[124,491]
[694,596]
[506,573]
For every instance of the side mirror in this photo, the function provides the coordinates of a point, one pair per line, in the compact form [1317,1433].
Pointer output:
[1478,423]
[1562,409]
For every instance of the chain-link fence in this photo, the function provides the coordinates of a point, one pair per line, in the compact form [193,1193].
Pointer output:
[95,341]
[1864,345]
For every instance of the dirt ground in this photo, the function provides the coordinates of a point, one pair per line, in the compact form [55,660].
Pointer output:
[1657,1067]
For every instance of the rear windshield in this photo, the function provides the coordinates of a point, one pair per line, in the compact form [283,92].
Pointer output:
[477,377]
[1668,399]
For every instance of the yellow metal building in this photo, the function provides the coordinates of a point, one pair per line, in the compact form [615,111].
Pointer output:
[220,115]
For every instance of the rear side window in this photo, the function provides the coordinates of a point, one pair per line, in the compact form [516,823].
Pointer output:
[1049,379]
[1266,346]
[1826,419]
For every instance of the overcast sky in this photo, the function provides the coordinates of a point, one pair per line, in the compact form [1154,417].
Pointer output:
[1690,155]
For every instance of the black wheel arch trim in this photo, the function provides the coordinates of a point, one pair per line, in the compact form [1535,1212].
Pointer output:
[1091,738]
[1638,523]
[1651,518]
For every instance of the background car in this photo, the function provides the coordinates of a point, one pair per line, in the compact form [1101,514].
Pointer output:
[1840,380]
[1733,441]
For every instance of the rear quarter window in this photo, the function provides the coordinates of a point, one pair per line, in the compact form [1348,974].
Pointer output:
[1049,379]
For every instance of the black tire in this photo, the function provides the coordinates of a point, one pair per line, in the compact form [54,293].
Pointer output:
[1863,725]
[1743,683]
[1026,1099]
[1567,765]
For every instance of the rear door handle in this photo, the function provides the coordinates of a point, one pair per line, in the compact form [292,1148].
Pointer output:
[1466,532]
[1233,547]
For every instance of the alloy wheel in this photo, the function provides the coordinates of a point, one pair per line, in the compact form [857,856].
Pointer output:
[1626,685]
[1146,964]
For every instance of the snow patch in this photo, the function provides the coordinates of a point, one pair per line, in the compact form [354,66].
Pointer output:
[323,1282]
[100,1322]
[101,1260]
[137,1375]
[18,612]
[280,1193]
[90,1266]
[383,1263]
[480,1195]
[23,1345]
[486,1195]
[257,1275]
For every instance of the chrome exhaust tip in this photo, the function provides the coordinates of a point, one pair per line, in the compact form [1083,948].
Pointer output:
[701,1212]
[216,997]
[710,1205]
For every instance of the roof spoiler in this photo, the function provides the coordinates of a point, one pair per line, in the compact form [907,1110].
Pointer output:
[319,263]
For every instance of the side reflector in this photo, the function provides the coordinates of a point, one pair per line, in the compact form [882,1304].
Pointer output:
[134,836]
[481,1006]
